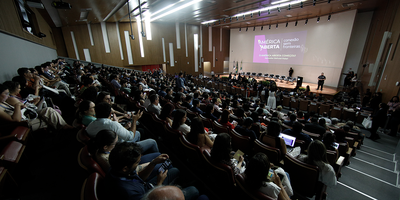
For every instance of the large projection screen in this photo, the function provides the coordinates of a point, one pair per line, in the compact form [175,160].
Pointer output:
[309,48]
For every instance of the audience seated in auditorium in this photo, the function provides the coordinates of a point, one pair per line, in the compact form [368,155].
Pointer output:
[12,113]
[86,112]
[154,106]
[327,120]
[256,177]
[271,138]
[209,112]
[224,120]
[316,155]
[221,152]
[314,127]
[198,135]
[245,129]
[264,109]
[124,182]
[290,122]
[296,131]
[196,107]
[179,121]
[188,102]
[166,112]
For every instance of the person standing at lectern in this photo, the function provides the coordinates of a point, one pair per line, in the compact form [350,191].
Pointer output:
[321,80]
[290,72]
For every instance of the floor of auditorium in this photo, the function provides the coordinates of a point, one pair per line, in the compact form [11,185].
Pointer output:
[49,170]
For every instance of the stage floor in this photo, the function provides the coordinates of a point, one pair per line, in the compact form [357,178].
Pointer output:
[313,86]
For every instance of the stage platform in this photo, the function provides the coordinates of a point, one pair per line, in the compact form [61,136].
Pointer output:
[288,85]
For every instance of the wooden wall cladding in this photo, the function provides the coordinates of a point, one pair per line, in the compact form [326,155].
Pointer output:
[220,56]
[153,52]
[11,24]
[385,18]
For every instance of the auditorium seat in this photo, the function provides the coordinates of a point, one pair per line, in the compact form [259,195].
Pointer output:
[20,134]
[304,179]
[335,161]
[190,114]
[92,187]
[313,107]
[8,185]
[303,106]
[286,102]
[336,112]
[218,128]
[207,123]
[250,193]
[82,136]
[241,142]
[324,108]
[349,115]
[274,154]
[11,154]
[192,153]
[86,161]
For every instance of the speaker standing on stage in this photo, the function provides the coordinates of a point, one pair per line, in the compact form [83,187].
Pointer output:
[321,80]
[290,72]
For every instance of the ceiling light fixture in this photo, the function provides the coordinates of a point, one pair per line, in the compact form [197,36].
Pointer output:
[219,21]
[244,17]
[269,12]
[254,29]
[270,7]
[175,10]
[329,1]
[306,22]
[314,2]
[287,23]
[224,20]
[240,29]
[295,24]
[237,18]
[251,15]
[329,17]
[279,9]
[230,19]
[301,4]
[318,20]
[289,7]
[278,2]
[259,13]
[276,26]
[247,28]
[207,22]
[262,27]
[270,26]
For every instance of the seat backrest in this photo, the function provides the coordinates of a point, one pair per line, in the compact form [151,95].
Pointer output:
[336,112]
[86,161]
[206,122]
[313,107]
[324,108]
[343,148]
[91,187]
[250,192]
[286,101]
[191,114]
[241,142]
[274,154]
[332,157]
[221,172]
[303,176]
[82,136]
[218,128]
[303,105]
[349,116]
[191,151]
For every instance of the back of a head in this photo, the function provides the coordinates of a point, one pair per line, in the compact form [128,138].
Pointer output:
[340,135]
[328,138]
[195,102]
[103,110]
[240,113]
[350,124]
[22,71]
[225,116]
[248,122]
[346,128]
[179,115]
[314,119]
[104,138]
[167,192]
[316,152]
[293,117]
[279,108]
[325,114]
[124,154]
[257,170]
[322,122]
[297,127]
[273,129]
[209,108]
[221,148]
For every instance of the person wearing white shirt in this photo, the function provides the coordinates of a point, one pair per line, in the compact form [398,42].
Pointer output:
[103,122]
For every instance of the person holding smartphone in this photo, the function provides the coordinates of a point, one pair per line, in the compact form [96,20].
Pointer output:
[258,175]
[124,182]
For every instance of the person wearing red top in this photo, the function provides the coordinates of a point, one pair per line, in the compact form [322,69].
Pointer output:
[224,121]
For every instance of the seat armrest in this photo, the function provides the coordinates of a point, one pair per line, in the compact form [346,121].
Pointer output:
[340,161]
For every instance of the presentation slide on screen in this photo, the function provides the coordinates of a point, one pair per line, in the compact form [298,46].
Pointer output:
[286,48]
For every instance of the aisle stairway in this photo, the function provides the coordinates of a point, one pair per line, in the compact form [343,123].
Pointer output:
[372,173]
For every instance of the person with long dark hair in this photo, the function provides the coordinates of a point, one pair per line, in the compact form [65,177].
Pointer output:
[221,152]
[86,112]
[197,134]
[179,121]
[256,175]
